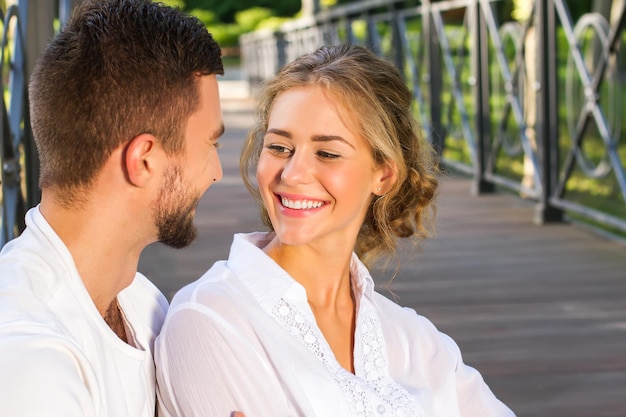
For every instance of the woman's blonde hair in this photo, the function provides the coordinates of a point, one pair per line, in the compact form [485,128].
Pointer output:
[374,94]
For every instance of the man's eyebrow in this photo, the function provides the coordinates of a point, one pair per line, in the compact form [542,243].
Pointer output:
[219,132]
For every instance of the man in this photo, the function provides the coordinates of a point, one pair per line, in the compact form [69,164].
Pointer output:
[126,117]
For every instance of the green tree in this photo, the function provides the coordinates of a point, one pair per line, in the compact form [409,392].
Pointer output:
[175,3]
[225,10]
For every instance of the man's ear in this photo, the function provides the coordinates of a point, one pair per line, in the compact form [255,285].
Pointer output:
[141,159]
[387,178]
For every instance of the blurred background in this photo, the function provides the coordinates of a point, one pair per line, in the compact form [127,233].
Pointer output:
[524,102]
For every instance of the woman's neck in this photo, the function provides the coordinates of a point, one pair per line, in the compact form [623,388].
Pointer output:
[325,275]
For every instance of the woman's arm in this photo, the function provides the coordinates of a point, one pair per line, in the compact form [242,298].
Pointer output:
[430,365]
[474,396]
[207,367]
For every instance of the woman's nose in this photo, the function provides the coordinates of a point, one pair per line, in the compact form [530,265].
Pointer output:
[297,169]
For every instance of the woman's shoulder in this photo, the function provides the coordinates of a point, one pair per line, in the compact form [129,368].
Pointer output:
[404,325]
[392,311]
[216,286]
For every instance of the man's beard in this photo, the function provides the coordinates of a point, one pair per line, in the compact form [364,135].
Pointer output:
[174,211]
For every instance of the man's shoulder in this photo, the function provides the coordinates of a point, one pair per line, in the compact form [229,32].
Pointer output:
[32,263]
[27,285]
[29,328]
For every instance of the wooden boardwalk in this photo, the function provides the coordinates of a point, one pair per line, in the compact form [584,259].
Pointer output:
[540,311]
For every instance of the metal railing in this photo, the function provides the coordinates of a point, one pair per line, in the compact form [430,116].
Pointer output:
[12,62]
[27,26]
[534,106]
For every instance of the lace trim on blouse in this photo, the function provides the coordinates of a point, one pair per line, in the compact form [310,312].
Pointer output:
[372,379]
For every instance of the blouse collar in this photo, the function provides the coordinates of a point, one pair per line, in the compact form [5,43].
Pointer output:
[248,261]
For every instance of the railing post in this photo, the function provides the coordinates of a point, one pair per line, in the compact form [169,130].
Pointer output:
[350,37]
[281,49]
[547,111]
[311,7]
[65,9]
[480,69]
[37,32]
[373,41]
[434,76]
[398,50]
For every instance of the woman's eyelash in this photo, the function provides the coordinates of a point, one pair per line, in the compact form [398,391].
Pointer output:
[280,149]
[328,155]
[277,148]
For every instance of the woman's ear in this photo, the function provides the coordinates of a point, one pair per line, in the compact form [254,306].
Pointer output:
[141,158]
[387,177]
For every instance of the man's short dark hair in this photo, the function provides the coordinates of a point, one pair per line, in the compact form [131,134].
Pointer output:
[119,68]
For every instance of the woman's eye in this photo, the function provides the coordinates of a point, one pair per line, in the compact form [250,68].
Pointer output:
[327,155]
[278,149]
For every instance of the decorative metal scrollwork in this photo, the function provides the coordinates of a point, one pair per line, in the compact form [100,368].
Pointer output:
[454,59]
[585,67]
[511,37]
[597,98]
[413,49]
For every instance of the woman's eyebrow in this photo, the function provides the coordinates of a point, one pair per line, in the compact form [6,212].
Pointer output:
[330,138]
[316,138]
[279,132]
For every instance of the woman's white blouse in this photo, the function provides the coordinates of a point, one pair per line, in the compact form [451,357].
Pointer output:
[243,337]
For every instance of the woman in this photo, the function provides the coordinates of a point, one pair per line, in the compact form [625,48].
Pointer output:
[291,325]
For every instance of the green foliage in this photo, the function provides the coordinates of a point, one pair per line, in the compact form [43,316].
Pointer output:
[226,34]
[207,17]
[249,19]
[331,3]
[521,10]
[174,3]
[578,8]
[272,23]
[227,9]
